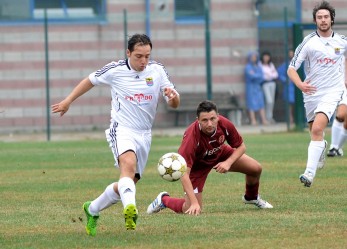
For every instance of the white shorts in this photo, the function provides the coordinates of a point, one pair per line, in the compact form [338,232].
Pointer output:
[344,99]
[326,104]
[122,139]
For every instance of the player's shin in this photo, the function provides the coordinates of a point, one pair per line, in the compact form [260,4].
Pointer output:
[105,200]
[175,204]
[127,191]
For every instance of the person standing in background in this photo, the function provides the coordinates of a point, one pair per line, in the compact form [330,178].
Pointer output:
[288,89]
[254,94]
[269,84]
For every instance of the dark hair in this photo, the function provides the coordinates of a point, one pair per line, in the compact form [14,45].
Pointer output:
[262,56]
[206,106]
[324,5]
[138,39]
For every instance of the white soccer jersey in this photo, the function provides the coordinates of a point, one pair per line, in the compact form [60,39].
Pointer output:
[135,95]
[324,61]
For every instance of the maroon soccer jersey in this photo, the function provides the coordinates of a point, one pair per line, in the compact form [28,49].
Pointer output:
[205,150]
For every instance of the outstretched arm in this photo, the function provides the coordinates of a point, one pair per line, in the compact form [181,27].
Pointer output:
[193,206]
[84,86]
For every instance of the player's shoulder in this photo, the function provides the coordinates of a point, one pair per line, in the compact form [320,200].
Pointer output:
[223,120]
[192,130]
[193,127]
[121,64]
[118,63]
[114,65]
[225,124]
[340,36]
[156,65]
[306,43]
[154,62]
[310,37]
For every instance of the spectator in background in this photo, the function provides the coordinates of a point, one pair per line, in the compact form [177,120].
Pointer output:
[269,84]
[254,94]
[288,89]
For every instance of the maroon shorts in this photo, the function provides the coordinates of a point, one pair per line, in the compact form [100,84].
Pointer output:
[202,168]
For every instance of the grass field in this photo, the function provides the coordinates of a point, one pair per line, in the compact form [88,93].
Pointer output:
[44,184]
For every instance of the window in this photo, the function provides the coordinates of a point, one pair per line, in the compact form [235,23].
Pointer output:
[189,11]
[57,10]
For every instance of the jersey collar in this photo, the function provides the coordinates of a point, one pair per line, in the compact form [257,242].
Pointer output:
[128,64]
[127,61]
[332,34]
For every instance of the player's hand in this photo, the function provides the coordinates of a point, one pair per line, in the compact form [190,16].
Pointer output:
[61,107]
[194,209]
[170,93]
[307,88]
[222,167]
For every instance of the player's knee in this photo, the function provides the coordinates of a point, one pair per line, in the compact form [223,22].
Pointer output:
[259,169]
[256,169]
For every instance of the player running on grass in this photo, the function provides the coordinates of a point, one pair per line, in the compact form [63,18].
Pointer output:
[203,147]
[136,84]
[323,53]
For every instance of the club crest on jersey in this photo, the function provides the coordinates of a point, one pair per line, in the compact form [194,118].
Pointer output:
[337,51]
[149,81]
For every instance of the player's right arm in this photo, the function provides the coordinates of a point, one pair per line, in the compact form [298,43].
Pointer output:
[301,54]
[304,86]
[193,207]
[84,86]
[188,151]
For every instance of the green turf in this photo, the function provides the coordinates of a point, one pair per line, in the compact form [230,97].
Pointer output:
[44,184]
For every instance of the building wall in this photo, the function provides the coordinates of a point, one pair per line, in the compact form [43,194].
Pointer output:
[77,50]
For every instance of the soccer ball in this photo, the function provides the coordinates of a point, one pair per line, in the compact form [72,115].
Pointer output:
[172,166]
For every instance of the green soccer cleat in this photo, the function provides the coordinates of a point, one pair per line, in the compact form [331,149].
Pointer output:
[91,220]
[130,214]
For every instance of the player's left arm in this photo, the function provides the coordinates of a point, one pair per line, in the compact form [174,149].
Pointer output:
[170,94]
[173,97]
[223,167]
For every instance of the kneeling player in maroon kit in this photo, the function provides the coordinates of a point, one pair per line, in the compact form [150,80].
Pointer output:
[203,147]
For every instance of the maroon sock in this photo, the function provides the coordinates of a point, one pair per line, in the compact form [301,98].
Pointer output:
[174,204]
[252,192]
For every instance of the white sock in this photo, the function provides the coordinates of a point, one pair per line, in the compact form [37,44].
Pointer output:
[336,130]
[105,200]
[127,191]
[315,150]
[342,139]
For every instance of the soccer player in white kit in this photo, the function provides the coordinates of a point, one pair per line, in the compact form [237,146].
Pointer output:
[323,53]
[136,85]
